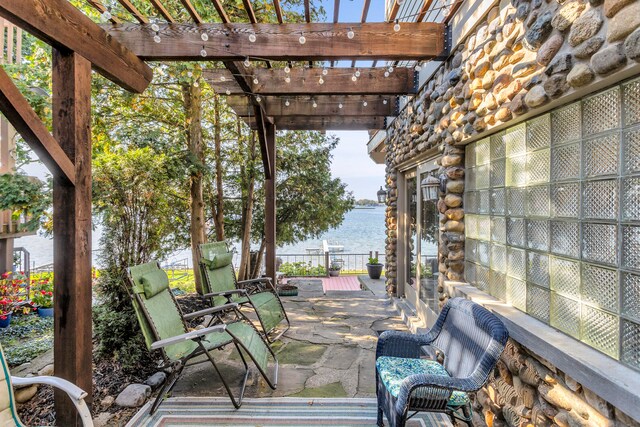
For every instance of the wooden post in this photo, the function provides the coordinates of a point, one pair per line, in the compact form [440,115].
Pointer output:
[71,77]
[270,204]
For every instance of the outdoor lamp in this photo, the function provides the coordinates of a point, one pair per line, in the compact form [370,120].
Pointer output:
[382,195]
[430,186]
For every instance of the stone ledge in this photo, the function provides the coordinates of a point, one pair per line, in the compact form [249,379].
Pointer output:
[608,378]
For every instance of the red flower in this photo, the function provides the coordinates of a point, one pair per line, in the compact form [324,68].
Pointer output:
[5,275]
[3,317]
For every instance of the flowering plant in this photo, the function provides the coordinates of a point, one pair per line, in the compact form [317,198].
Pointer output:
[12,292]
[42,292]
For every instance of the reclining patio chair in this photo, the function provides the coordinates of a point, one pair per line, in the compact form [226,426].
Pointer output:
[471,340]
[9,415]
[164,328]
[221,286]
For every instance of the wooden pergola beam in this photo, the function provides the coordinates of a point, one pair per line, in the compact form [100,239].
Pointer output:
[279,42]
[63,26]
[192,11]
[221,12]
[395,8]
[325,106]
[17,110]
[423,10]
[372,81]
[134,11]
[102,9]
[324,123]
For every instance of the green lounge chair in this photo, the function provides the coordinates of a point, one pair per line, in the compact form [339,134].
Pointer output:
[164,328]
[223,288]
[9,415]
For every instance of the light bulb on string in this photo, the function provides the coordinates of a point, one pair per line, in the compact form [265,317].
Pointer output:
[315,104]
[287,103]
[365,103]
[106,15]
[154,27]
[228,92]
[204,37]
[223,79]
[357,73]
[354,78]
[325,71]
[287,79]
[350,34]
[321,81]
[246,62]
[258,99]
[340,105]
[287,69]
[196,84]
[157,38]
[203,52]
[390,69]
[384,101]
[396,26]
[252,37]
[302,39]
[386,74]
[255,81]
[418,67]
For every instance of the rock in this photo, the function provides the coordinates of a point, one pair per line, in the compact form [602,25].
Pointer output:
[588,48]
[457,226]
[451,160]
[103,419]
[133,396]
[632,46]
[585,27]
[457,60]
[524,69]
[624,22]
[549,49]
[611,7]
[598,403]
[518,105]
[609,59]
[107,401]
[156,380]
[539,31]
[510,91]
[535,97]
[522,11]
[502,59]
[556,85]
[454,214]
[580,75]
[481,69]
[561,64]
[503,114]
[26,393]
[501,82]
[453,200]
[456,186]
[454,76]
[47,371]
[488,79]
[567,14]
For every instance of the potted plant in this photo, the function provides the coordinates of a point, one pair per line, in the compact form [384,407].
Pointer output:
[334,268]
[11,298]
[374,268]
[43,297]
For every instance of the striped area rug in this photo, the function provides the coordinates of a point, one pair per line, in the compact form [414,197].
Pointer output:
[341,283]
[283,411]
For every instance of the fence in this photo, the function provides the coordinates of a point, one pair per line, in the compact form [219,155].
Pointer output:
[317,264]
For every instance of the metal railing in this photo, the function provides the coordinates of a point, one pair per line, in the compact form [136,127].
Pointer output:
[177,270]
[318,264]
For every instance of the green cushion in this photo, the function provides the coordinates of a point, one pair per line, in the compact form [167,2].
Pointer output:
[393,370]
[154,282]
[218,261]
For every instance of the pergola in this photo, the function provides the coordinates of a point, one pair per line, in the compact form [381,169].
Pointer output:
[305,91]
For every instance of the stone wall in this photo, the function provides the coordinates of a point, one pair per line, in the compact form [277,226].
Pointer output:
[520,58]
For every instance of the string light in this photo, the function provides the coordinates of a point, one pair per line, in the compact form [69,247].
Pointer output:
[204,37]
[154,27]
[203,52]
[287,69]
[255,80]
[321,80]
[287,79]
[196,84]
[315,104]
[302,39]
[365,103]
[396,26]
[340,105]
[325,71]
[106,15]
[384,101]
[350,34]
[386,74]
[258,99]
[354,78]
[157,38]
[247,63]
[228,92]
[418,67]
[287,103]
[252,37]
[390,69]
[223,79]
[357,73]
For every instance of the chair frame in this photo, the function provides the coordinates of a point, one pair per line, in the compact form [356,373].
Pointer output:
[246,288]
[177,366]
[440,388]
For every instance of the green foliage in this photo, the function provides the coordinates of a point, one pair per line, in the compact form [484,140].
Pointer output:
[366,202]
[335,266]
[373,260]
[26,338]
[42,291]
[301,269]
[24,197]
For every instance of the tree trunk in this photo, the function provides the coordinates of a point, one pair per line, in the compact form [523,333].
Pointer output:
[247,209]
[192,95]
[256,271]
[218,217]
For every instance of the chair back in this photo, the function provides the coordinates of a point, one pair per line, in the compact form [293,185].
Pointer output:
[156,309]
[471,337]
[8,414]
[217,269]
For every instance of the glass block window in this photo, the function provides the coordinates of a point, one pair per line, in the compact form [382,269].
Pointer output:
[560,237]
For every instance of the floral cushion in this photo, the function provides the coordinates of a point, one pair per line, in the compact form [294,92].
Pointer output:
[393,370]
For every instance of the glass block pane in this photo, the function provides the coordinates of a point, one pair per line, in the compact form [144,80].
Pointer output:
[538,201]
[600,287]
[470,250]
[630,344]
[565,238]
[631,102]
[499,229]
[601,112]
[470,202]
[538,269]
[470,272]
[498,285]
[631,199]
[539,132]
[565,315]
[538,235]
[499,258]
[631,153]
[600,199]
[482,249]
[484,202]
[516,263]
[482,277]
[565,162]
[498,201]
[631,295]
[515,201]
[517,293]
[516,232]
[483,152]
[566,124]
[631,247]
[498,146]
[600,330]
[497,173]
[516,140]
[516,174]
[600,155]
[600,243]
[538,167]
[538,302]
[565,200]
[565,277]
[470,155]
[470,179]
[484,227]
[482,176]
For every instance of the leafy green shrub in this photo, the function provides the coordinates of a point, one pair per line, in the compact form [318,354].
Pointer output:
[27,338]
[301,268]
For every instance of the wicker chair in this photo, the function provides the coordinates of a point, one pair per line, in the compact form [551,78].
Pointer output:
[471,340]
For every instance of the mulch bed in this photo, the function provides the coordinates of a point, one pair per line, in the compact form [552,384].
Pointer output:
[109,379]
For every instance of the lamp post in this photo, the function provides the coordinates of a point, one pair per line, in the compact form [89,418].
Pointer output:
[382,195]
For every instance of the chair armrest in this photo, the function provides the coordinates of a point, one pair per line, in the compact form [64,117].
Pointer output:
[210,310]
[188,336]
[413,382]
[402,344]
[224,293]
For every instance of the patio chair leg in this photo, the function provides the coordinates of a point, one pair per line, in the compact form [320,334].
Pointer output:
[236,403]
[166,388]
[380,417]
